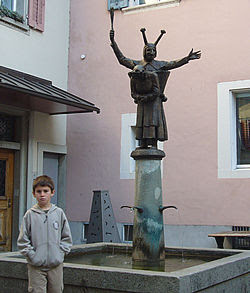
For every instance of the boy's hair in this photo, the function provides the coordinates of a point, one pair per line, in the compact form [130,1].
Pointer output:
[43,180]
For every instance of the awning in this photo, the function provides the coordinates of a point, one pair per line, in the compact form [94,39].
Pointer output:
[26,91]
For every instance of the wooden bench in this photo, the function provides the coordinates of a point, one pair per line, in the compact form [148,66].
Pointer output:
[228,239]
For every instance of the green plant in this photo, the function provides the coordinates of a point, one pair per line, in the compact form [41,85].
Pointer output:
[4,11]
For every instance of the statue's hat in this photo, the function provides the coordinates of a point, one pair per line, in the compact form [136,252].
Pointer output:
[143,30]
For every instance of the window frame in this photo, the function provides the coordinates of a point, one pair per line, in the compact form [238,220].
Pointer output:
[227,137]
[128,144]
[153,4]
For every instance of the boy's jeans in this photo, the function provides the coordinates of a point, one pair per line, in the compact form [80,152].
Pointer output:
[40,280]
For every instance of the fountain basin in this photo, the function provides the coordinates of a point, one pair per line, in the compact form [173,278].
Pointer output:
[229,272]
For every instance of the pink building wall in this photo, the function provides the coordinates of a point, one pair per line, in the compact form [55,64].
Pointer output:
[221,30]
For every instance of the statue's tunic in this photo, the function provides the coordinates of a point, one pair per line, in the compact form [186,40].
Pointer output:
[151,121]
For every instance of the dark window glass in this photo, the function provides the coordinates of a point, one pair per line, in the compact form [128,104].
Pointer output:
[2,177]
[86,229]
[128,232]
[8,4]
[7,127]
[243,128]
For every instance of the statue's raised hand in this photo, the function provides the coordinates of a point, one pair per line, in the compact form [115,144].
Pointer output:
[194,55]
[112,36]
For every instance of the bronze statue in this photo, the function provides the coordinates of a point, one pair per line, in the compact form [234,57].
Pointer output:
[148,81]
[146,92]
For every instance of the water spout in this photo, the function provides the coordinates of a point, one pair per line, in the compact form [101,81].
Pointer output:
[139,209]
[161,208]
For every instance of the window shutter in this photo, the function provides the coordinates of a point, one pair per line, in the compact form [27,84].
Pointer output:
[117,4]
[36,14]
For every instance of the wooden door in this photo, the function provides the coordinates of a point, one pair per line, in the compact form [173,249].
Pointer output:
[6,198]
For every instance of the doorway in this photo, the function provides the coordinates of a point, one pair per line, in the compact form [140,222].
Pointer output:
[6,198]
[50,168]
[52,162]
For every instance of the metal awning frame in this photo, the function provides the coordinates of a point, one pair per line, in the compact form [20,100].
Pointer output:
[44,90]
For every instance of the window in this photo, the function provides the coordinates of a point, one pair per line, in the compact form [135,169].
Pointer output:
[234,129]
[133,145]
[10,4]
[127,233]
[243,128]
[240,242]
[85,228]
[18,9]
[150,4]
[129,144]
[140,4]
[117,4]
[9,128]
[14,9]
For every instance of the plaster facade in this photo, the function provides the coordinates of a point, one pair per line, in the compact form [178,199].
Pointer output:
[190,170]
[44,55]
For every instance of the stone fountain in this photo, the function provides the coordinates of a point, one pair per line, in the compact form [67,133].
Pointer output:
[228,272]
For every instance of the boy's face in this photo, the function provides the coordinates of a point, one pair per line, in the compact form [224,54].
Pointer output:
[43,196]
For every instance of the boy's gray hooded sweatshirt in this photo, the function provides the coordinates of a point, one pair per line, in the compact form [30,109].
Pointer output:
[44,236]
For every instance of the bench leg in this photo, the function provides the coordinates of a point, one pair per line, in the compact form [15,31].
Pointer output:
[219,241]
[228,243]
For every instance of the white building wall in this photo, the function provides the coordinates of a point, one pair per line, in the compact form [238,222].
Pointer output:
[45,55]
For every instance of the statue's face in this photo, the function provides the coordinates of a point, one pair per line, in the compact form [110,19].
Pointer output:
[149,52]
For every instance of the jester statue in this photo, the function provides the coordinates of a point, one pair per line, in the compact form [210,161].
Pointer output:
[148,78]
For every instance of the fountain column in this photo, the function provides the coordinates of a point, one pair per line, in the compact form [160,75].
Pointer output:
[148,231]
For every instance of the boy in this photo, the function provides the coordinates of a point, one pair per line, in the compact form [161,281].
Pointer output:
[44,239]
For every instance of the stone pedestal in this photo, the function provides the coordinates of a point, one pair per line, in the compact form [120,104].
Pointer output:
[148,231]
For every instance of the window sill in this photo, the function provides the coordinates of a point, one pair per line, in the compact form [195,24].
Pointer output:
[13,24]
[150,6]
[243,167]
[236,173]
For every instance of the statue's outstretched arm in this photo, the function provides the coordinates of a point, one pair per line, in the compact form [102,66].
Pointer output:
[178,63]
[129,63]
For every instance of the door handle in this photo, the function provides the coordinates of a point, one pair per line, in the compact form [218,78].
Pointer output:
[9,203]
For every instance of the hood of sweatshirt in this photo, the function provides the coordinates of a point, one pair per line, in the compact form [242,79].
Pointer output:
[38,210]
